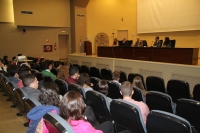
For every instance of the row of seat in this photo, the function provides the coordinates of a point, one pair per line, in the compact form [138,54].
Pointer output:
[99,107]
[130,118]
[54,122]
[175,88]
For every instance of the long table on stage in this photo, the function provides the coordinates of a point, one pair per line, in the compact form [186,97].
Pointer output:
[170,55]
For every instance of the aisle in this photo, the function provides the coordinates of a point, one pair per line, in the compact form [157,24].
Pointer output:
[9,122]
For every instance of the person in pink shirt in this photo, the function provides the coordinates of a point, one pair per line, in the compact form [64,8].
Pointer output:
[127,91]
[71,109]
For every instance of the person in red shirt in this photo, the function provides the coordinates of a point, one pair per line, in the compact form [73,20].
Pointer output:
[73,75]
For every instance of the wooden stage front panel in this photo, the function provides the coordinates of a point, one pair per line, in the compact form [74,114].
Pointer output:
[170,55]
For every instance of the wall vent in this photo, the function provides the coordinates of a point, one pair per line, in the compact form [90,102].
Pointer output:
[26,12]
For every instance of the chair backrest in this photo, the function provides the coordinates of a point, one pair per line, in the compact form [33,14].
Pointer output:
[113,90]
[78,66]
[21,99]
[196,92]
[3,85]
[138,95]
[154,83]
[39,76]
[85,69]
[29,105]
[123,77]
[159,101]
[144,42]
[78,88]
[190,110]
[173,43]
[94,80]
[5,73]
[94,72]
[161,42]
[131,76]
[106,74]
[164,122]
[178,89]
[56,124]
[48,79]
[128,119]
[63,86]
[11,89]
[98,102]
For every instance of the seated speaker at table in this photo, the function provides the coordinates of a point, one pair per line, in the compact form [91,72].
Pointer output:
[125,43]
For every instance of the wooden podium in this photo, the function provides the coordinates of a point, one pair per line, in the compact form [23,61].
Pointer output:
[88,47]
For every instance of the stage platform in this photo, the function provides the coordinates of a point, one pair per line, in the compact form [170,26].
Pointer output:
[167,71]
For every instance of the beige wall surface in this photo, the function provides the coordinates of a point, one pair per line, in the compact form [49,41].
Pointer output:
[50,13]
[30,43]
[6,11]
[108,16]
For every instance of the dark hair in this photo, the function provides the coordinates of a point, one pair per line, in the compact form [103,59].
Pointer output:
[28,79]
[23,70]
[5,57]
[13,58]
[167,39]
[13,69]
[72,106]
[83,79]
[126,88]
[49,94]
[73,70]
[116,75]
[46,64]
[157,37]
[102,87]
[57,64]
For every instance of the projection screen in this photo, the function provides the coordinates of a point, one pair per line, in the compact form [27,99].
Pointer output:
[167,15]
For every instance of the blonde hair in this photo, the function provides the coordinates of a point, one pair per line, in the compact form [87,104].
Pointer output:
[63,72]
[137,82]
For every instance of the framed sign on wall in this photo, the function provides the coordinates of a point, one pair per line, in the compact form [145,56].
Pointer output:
[47,48]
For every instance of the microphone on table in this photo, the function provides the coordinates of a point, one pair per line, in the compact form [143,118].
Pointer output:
[152,44]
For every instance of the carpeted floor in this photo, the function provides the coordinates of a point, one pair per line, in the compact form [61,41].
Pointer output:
[9,122]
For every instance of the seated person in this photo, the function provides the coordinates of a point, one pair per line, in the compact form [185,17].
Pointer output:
[115,42]
[30,83]
[157,42]
[167,42]
[2,66]
[13,72]
[47,65]
[73,75]
[50,100]
[125,43]
[23,70]
[57,65]
[63,72]
[71,109]
[137,82]
[84,81]
[138,43]
[116,76]
[127,92]
[102,87]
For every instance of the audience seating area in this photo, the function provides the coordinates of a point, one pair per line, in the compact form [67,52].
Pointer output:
[172,109]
